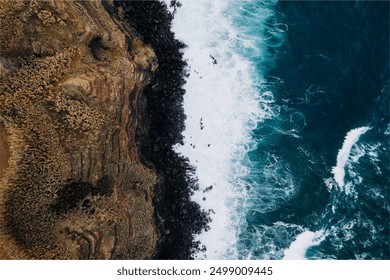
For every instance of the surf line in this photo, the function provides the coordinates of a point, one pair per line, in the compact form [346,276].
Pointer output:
[304,241]
[350,139]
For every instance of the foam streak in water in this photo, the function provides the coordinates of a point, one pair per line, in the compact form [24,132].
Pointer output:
[342,157]
[304,241]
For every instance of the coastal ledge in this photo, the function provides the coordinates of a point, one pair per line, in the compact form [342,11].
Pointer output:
[91,105]
[178,218]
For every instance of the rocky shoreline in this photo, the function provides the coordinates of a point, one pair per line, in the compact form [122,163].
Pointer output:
[177,217]
[91,105]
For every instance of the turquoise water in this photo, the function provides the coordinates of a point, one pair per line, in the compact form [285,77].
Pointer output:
[327,66]
[287,107]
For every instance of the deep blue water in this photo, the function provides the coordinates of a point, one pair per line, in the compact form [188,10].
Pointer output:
[329,74]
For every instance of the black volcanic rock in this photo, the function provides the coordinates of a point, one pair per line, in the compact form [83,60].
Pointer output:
[177,217]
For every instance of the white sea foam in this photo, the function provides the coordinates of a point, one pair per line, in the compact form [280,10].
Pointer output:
[223,105]
[387,131]
[302,243]
[268,242]
[343,155]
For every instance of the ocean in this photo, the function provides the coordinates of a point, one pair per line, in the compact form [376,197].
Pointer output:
[287,126]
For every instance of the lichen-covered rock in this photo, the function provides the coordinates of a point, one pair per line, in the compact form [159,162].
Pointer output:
[72,185]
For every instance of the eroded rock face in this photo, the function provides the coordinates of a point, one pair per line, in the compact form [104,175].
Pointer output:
[71,182]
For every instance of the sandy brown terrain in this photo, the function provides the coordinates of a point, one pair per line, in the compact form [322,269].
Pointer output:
[4,151]
[71,182]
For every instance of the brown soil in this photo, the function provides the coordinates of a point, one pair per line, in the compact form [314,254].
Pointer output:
[4,150]
[71,83]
